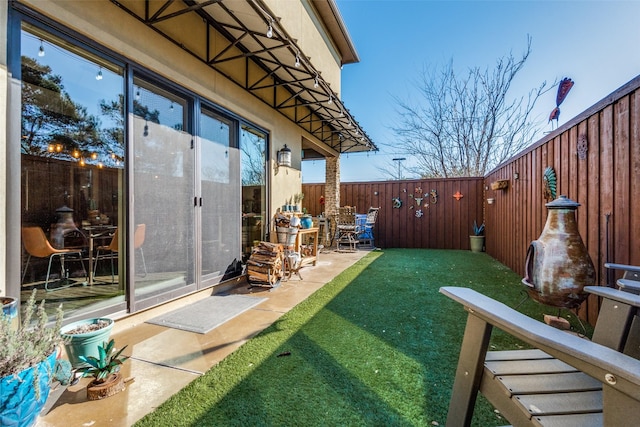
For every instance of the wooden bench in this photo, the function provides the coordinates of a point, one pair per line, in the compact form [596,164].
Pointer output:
[565,381]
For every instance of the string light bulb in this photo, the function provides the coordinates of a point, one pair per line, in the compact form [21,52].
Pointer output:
[297,64]
[99,75]
[270,31]
[315,82]
[41,50]
[330,100]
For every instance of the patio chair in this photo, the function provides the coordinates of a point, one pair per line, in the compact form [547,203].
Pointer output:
[347,229]
[367,233]
[138,240]
[630,280]
[564,380]
[110,251]
[37,245]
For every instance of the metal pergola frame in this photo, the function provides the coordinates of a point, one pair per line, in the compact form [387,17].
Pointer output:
[243,41]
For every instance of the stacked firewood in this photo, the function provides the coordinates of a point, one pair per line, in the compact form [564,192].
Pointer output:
[264,267]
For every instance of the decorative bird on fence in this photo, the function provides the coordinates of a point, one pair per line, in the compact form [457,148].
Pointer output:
[564,87]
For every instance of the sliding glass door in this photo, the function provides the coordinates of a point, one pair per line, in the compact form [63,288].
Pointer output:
[72,172]
[253,149]
[219,207]
[163,193]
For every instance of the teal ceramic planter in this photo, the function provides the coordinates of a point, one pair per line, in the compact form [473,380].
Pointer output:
[306,222]
[84,344]
[23,396]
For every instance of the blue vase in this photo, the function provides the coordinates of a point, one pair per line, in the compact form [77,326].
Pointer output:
[24,395]
[306,222]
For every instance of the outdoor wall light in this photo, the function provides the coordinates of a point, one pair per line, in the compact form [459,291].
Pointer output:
[284,156]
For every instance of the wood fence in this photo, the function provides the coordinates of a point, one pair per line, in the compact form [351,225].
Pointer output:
[413,213]
[596,160]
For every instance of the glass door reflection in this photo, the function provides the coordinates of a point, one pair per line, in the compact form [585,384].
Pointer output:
[163,258]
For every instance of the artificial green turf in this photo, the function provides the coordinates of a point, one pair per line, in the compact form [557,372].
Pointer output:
[378,345]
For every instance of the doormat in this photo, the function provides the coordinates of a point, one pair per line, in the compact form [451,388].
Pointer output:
[207,314]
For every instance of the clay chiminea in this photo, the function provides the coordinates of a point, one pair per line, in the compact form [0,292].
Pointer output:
[558,266]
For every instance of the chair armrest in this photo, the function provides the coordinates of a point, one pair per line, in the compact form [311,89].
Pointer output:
[613,266]
[593,359]
[615,295]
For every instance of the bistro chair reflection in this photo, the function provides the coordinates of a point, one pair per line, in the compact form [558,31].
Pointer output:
[37,245]
[110,251]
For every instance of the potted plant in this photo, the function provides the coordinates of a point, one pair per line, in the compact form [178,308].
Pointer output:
[105,370]
[82,338]
[27,359]
[476,241]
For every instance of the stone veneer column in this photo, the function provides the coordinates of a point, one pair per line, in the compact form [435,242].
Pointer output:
[332,186]
[332,192]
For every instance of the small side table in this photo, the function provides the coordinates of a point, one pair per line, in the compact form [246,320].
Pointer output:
[309,238]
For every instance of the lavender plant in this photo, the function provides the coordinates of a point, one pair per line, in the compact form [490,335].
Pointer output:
[32,342]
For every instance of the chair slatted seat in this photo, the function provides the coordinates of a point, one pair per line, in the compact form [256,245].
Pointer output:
[565,381]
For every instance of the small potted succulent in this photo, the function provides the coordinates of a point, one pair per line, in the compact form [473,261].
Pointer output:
[476,241]
[105,371]
[28,355]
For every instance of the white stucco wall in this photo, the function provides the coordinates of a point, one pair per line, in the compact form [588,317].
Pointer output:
[295,18]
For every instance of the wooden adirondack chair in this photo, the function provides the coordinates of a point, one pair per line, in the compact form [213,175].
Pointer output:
[630,280]
[565,381]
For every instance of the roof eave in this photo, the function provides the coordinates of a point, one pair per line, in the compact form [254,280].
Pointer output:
[330,15]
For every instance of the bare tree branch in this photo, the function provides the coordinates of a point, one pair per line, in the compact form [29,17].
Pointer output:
[466,125]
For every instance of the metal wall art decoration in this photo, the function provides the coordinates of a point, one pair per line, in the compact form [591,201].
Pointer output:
[458,196]
[434,196]
[564,87]
[549,179]
[419,213]
[397,203]
[583,146]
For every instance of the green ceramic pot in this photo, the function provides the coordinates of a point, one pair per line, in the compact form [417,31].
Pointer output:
[86,343]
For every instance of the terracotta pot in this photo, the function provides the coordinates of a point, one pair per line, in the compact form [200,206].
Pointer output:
[558,266]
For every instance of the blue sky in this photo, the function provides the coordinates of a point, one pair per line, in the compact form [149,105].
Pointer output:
[595,43]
